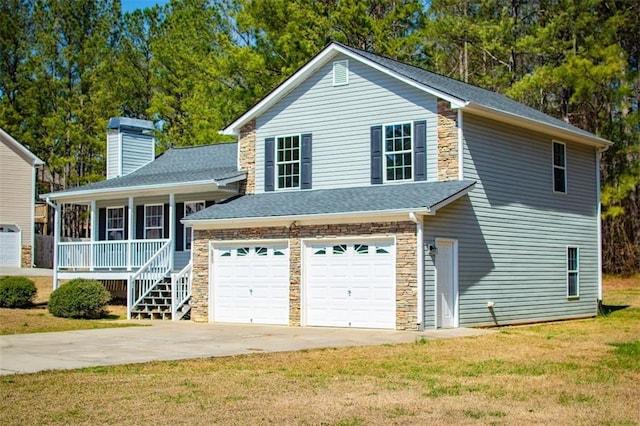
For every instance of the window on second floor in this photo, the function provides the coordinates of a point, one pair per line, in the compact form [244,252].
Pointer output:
[115,223]
[559,167]
[288,161]
[153,221]
[398,152]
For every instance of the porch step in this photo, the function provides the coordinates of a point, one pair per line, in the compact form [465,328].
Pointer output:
[157,305]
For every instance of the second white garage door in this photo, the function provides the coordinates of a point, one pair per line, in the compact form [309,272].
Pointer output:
[251,283]
[350,284]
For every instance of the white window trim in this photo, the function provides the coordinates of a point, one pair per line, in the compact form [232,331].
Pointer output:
[161,227]
[109,230]
[278,163]
[189,228]
[384,153]
[575,271]
[333,72]
[554,167]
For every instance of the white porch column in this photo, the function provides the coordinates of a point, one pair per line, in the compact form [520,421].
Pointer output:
[172,226]
[56,240]
[94,233]
[130,234]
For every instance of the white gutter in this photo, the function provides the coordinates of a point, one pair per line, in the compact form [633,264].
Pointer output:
[296,218]
[420,267]
[137,190]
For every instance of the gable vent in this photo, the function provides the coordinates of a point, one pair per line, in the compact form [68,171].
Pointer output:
[340,73]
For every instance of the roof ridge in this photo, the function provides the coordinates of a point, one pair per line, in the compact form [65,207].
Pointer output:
[203,145]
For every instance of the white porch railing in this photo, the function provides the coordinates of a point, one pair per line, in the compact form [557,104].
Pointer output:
[180,290]
[92,255]
[150,274]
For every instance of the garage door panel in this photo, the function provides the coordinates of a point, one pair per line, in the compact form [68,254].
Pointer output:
[251,284]
[350,284]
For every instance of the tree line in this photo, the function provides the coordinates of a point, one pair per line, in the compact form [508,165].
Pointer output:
[66,66]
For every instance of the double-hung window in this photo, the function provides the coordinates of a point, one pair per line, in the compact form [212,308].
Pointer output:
[288,161]
[190,207]
[115,223]
[398,152]
[573,266]
[153,221]
[559,167]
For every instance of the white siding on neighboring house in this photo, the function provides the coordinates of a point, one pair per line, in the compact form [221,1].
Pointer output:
[513,230]
[339,119]
[17,177]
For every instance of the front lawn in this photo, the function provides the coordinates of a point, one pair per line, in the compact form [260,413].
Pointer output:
[39,320]
[567,373]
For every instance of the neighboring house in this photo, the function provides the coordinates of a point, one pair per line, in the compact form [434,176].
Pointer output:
[17,200]
[370,193]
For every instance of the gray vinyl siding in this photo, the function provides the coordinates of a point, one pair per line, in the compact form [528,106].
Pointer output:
[513,231]
[340,118]
[137,150]
[113,155]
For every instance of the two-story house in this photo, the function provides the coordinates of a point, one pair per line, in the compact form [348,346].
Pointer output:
[381,195]
[362,192]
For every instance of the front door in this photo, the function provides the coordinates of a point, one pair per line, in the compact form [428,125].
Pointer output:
[446,286]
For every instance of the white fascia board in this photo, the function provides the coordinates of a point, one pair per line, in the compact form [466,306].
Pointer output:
[313,65]
[304,220]
[137,191]
[451,199]
[538,126]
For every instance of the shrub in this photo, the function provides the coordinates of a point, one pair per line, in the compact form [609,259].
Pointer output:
[16,292]
[79,298]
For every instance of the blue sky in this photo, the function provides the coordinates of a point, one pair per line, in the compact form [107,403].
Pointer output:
[131,5]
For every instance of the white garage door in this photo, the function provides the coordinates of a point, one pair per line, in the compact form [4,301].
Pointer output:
[10,241]
[350,284]
[251,283]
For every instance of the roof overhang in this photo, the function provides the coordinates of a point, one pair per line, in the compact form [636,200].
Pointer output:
[326,218]
[312,66]
[83,196]
[538,126]
[19,149]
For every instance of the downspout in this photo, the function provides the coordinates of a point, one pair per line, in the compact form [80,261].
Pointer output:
[460,146]
[599,152]
[420,267]
[56,239]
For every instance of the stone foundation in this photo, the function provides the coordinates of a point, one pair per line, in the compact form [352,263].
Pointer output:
[25,257]
[406,258]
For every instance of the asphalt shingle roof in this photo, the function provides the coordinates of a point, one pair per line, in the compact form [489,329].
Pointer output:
[408,196]
[177,165]
[465,91]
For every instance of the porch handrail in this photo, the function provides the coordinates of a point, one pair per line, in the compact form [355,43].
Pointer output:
[144,280]
[111,254]
[180,289]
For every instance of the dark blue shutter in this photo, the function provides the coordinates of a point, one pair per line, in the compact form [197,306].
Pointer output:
[139,222]
[376,155]
[102,224]
[166,220]
[179,227]
[306,162]
[209,203]
[420,150]
[269,167]
[126,223]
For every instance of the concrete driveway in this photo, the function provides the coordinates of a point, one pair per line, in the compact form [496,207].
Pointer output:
[165,340]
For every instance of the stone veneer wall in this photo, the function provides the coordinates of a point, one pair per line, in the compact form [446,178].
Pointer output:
[25,257]
[406,258]
[247,153]
[447,142]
